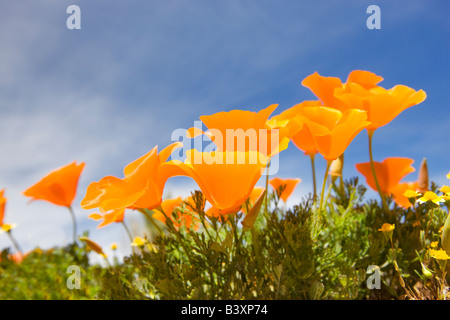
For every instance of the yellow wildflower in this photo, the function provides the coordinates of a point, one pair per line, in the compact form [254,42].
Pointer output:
[138,242]
[431,196]
[434,244]
[6,227]
[386,227]
[439,254]
[448,175]
[445,189]
[113,246]
[411,193]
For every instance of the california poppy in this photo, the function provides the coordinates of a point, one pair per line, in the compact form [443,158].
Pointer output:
[2,206]
[398,193]
[389,173]
[225,178]
[142,186]
[292,120]
[284,187]
[57,187]
[382,105]
[325,87]
[242,130]
[178,217]
[333,130]
[109,217]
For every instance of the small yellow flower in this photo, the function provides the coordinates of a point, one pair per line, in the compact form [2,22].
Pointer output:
[113,246]
[386,227]
[6,227]
[411,194]
[430,196]
[448,175]
[138,242]
[439,254]
[434,244]
[445,189]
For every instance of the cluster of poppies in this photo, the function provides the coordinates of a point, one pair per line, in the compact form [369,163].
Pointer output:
[244,144]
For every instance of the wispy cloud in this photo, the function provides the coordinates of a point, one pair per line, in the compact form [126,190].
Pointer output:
[135,72]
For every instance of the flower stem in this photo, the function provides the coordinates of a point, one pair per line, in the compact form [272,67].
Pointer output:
[372,166]
[152,221]
[127,231]
[313,168]
[130,236]
[267,186]
[324,184]
[74,223]
[14,242]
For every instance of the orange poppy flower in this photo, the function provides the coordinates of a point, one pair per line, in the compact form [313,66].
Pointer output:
[58,187]
[2,206]
[240,130]
[399,191]
[324,87]
[225,178]
[284,187]
[109,217]
[168,207]
[333,130]
[292,120]
[382,105]
[389,173]
[142,186]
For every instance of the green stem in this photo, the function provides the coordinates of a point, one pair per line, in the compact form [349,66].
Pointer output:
[127,230]
[372,166]
[13,240]
[130,236]
[324,184]
[152,221]
[74,223]
[313,168]
[267,186]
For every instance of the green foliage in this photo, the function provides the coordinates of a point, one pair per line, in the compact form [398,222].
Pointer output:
[300,253]
[43,275]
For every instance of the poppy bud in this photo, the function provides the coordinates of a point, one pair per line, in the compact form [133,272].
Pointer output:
[336,168]
[423,180]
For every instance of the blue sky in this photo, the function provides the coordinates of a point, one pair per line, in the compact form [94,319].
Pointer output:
[136,71]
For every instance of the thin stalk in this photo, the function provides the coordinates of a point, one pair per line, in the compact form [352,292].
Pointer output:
[372,166]
[74,223]
[267,187]
[313,169]
[14,242]
[152,221]
[127,230]
[130,236]
[324,184]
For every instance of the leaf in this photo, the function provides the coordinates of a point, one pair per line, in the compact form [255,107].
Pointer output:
[217,247]
[251,216]
[445,238]
[228,242]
